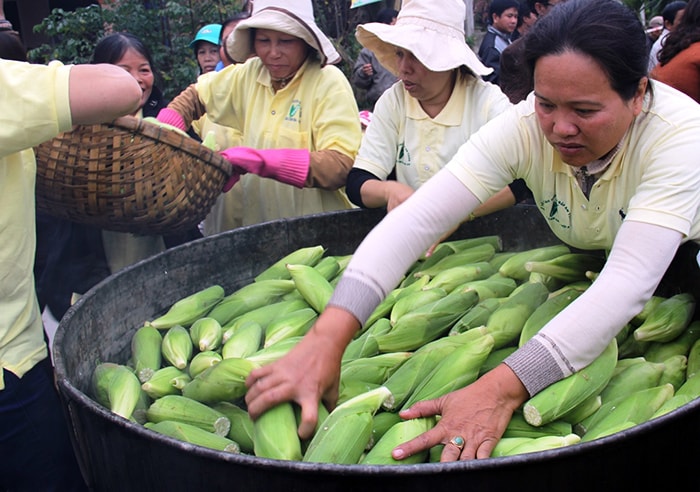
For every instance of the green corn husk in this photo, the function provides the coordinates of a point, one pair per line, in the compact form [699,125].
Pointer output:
[250,296]
[569,267]
[583,410]
[206,334]
[495,358]
[649,306]
[179,408]
[456,370]
[451,278]
[247,340]
[202,361]
[475,254]
[312,285]
[633,378]
[693,360]
[415,300]
[681,345]
[387,304]
[543,443]
[275,434]
[375,369]
[494,286]
[328,267]
[545,312]
[403,382]
[668,320]
[346,432]
[514,267]
[506,444]
[263,315]
[382,422]
[426,323]
[507,321]
[478,315]
[177,348]
[167,380]
[224,381]
[274,352]
[399,433]
[146,352]
[519,427]
[290,326]
[242,427]
[116,387]
[310,255]
[674,372]
[561,397]
[194,435]
[187,310]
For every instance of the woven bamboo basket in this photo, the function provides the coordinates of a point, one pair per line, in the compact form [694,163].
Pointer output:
[129,176]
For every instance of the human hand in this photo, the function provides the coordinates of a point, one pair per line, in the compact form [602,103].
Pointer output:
[289,166]
[307,374]
[367,69]
[396,193]
[172,118]
[478,414]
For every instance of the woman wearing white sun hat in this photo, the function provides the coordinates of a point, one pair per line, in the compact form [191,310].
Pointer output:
[419,123]
[296,113]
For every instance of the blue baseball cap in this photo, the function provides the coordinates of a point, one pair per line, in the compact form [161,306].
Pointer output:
[209,33]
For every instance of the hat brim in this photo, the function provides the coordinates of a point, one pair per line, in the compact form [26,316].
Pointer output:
[439,53]
[239,43]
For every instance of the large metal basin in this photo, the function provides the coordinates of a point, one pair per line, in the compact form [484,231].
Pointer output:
[117,455]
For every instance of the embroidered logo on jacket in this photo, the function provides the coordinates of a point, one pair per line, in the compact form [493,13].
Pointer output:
[556,211]
[294,113]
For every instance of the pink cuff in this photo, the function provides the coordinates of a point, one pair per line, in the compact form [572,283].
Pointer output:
[290,166]
[171,117]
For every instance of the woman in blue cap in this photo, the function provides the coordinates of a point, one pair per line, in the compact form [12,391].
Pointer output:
[206,47]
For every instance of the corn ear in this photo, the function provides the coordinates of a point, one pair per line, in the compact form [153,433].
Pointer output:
[312,285]
[506,444]
[182,409]
[346,432]
[456,370]
[507,321]
[242,428]
[274,352]
[202,361]
[116,387]
[495,358]
[247,340]
[583,410]
[670,318]
[493,286]
[399,433]
[328,267]
[426,323]
[519,427]
[194,435]
[250,296]
[206,334]
[637,408]
[544,313]
[514,267]
[543,443]
[375,369]
[278,270]
[559,398]
[478,315]
[146,351]
[568,267]
[382,422]
[224,381]
[633,378]
[187,310]
[693,360]
[451,278]
[292,325]
[262,315]
[674,372]
[474,254]
[275,434]
[649,306]
[681,345]
[413,301]
[167,380]
[177,348]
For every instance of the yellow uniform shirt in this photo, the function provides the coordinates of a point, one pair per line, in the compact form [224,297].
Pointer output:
[653,178]
[41,118]
[315,111]
[404,137]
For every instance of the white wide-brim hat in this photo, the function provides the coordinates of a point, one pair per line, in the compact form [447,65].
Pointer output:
[432,31]
[293,17]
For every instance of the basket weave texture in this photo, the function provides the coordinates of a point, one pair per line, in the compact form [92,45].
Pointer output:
[129,176]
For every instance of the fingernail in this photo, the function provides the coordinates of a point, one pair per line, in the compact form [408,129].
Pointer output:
[398,453]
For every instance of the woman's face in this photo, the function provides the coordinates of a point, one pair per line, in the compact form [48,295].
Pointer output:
[428,87]
[139,68]
[207,56]
[282,54]
[579,112]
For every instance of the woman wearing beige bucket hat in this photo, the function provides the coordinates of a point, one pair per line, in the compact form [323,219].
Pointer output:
[419,123]
[294,109]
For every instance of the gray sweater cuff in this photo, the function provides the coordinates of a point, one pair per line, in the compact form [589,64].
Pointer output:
[353,296]
[534,366]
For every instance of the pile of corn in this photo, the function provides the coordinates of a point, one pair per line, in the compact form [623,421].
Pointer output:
[453,317]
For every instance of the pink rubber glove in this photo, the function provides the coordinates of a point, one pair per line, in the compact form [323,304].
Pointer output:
[290,166]
[235,177]
[171,117]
